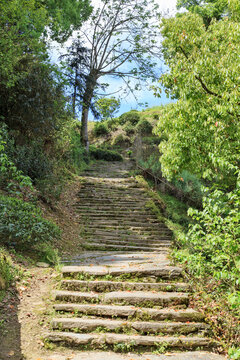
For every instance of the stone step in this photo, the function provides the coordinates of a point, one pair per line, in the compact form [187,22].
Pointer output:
[164,272]
[113,194]
[103,246]
[144,327]
[129,238]
[134,341]
[131,242]
[127,232]
[107,207]
[121,201]
[126,222]
[131,312]
[126,227]
[103,286]
[133,231]
[125,297]
[125,217]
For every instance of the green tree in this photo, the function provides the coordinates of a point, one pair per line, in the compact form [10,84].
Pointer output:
[202,128]
[207,9]
[121,41]
[21,25]
[65,16]
[107,107]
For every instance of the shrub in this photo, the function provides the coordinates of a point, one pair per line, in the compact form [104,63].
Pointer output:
[132,117]
[6,270]
[21,223]
[104,154]
[100,128]
[113,123]
[33,161]
[190,185]
[144,127]
[121,140]
[11,178]
[213,238]
[129,128]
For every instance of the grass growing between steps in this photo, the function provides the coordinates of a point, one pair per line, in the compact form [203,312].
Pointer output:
[220,303]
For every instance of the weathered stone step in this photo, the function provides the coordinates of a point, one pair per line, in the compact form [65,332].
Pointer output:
[131,312]
[124,217]
[121,201]
[112,192]
[121,232]
[129,227]
[103,286]
[131,242]
[103,246]
[164,272]
[126,232]
[107,207]
[129,238]
[126,298]
[135,341]
[144,327]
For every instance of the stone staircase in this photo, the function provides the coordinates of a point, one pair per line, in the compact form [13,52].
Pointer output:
[123,294]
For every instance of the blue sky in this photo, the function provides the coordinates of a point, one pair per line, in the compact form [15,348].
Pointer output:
[143,96]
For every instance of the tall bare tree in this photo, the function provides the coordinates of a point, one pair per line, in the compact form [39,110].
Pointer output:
[121,39]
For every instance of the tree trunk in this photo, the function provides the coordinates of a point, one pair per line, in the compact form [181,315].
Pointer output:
[84,127]
[87,98]
[74,95]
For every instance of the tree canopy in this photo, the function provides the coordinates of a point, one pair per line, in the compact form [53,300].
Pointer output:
[202,127]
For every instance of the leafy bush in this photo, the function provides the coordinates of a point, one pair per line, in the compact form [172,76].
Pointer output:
[213,239]
[121,139]
[190,185]
[104,154]
[33,161]
[11,178]
[21,223]
[132,117]
[76,155]
[129,128]
[6,270]
[100,128]
[113,123]
[144,127]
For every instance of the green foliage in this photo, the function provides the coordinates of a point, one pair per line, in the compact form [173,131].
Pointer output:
[213,239]
[11,178]
[234,353]
[104,154]
[152,164]
[21,25]
[38,107]
[121,140]
[207,9]
[22,224]
[48,254]
[190,185]
[32,161]
[202,128]
[65,16]
[129,128]
[100,129]
[107,107]
[132,117]
[7,270]
[144,127]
